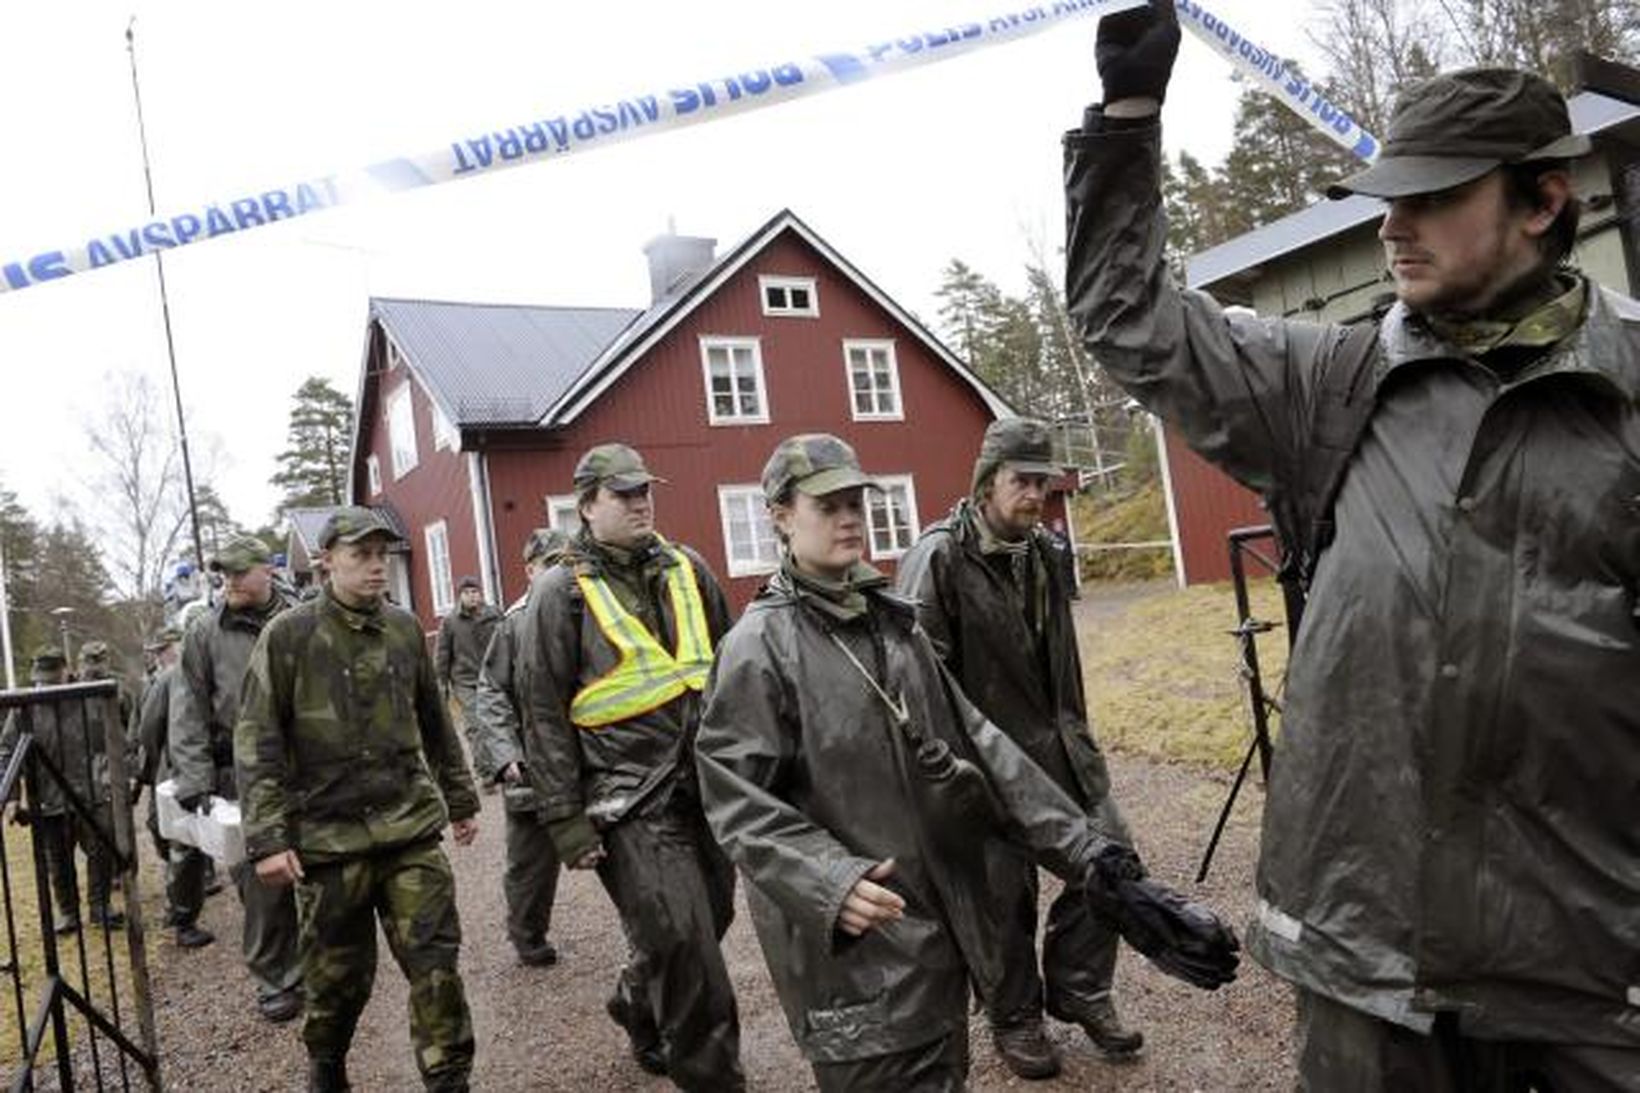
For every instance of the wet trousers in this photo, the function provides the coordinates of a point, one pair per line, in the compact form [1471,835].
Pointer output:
[1342,1050]
[939,1066]
[674,890]
[531,879]
[59,835]
[412,891]
[1078,947]
[269,938]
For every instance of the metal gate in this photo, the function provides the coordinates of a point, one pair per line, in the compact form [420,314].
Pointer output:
[66,749]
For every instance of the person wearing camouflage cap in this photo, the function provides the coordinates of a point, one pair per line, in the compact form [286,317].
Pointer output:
[857,789]
[205,700]
[350,771]
[496,741]
[1447,865]
[992,596]
[463,635]
[613,652]
[186,866]
[73,735]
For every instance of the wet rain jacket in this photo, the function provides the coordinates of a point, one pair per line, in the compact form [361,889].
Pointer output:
[605,770]
[971,612]
[806,784]
[493,735]
[1453,819]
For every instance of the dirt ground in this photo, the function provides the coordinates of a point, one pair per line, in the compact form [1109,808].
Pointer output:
[545,1029]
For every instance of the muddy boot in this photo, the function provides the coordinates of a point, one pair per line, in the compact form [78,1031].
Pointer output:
[327,1075]
[1100,1021]
[191,935]
[1025,1048]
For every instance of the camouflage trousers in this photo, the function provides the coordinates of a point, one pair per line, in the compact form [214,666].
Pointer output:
[59,836]
[412,891]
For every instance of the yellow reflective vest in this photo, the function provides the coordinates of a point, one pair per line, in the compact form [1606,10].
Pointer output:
[647,676]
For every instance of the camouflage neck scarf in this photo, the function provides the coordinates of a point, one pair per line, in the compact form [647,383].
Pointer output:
[1030,580]
[1539,319]
[843,600]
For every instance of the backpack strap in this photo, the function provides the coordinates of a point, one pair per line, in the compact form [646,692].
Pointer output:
[1341,401]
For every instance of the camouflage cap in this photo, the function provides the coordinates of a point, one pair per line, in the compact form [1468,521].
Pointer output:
[1454,128]
[93,652]
[614,465]
[352,524]
[1023,443]
[48,658]
[240,554]
[545,545]
[469,582]
[816,464]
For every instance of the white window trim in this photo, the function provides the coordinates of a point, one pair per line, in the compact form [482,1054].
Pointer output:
[739,568]
[774,280]
[868,344]
[716,341]
[556,501]
[401,393]
[444,433]
[373,473]
[910,485]
[443,592]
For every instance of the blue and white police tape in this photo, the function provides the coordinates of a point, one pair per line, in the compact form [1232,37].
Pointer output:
[552,134]
[1299,94]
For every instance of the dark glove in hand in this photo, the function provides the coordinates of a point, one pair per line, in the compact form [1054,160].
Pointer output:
[194,802]
[1183,939]
[20,816]
[1135,51]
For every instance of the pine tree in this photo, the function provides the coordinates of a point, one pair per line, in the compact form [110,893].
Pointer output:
[313,467]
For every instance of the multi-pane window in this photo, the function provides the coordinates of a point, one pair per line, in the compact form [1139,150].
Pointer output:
[788,296]
[873,381]
[891,516]
[444,434]
[438,567]
[373,468]
[749,541]
[563,513]
[401,430]
[734,381]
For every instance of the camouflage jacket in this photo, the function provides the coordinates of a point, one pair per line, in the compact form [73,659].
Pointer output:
[205,696]
[495,737]
[462,641]
[344,745]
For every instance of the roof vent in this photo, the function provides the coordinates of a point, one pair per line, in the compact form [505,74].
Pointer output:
[674,259]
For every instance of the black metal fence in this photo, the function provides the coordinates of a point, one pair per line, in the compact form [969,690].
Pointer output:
[75,962]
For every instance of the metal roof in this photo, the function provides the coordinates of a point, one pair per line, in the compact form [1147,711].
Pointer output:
[496,364]
[1591,111]
[306,523]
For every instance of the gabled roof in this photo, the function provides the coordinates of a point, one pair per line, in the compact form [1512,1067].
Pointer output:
[497,364]
[1592,113]
[667,312]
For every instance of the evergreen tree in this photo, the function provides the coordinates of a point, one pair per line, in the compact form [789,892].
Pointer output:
[313,467]
[20,544]
[1278,165]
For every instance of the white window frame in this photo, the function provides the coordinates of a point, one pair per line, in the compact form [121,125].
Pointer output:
[785,284]
[750,496]
[373,473]
[556,503]
[890,481]
[709,342]
[444,433]
[437,537]
[868,346]
[400,397]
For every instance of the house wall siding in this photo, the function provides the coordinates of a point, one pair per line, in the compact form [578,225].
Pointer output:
[437,488]
[1209,504]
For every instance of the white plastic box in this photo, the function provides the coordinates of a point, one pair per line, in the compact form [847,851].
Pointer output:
[217,832]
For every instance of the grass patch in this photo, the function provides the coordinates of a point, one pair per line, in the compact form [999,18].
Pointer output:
[1163,672]
[1134,516]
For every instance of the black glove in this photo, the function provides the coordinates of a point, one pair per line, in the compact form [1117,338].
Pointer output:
[194,802]
[20,816]
[1135,51]
[1183,939]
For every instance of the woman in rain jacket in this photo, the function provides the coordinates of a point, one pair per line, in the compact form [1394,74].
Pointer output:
[819,754]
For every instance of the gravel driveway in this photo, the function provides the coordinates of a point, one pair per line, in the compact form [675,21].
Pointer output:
[545,1029]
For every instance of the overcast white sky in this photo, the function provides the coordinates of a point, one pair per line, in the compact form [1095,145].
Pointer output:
[959,159]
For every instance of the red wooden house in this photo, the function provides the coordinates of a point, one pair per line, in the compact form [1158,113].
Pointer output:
[471,416]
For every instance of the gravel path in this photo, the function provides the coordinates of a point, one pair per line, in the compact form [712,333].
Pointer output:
[545,1029]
